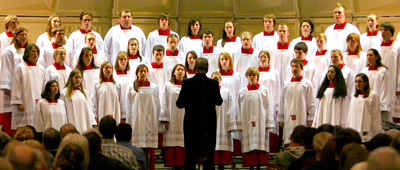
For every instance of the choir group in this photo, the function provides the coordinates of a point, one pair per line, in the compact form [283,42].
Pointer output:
[266,81]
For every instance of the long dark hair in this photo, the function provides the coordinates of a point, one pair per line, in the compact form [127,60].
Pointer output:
[136,82]
[340,89]
[224,35]
[47,91]
[191,22]
[80,64]
[138,53]
[379,60]
[173,78]
[367,88]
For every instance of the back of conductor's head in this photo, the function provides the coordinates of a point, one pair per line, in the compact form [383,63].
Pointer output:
[201,65]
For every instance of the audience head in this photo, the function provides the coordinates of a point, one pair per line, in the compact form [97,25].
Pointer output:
[77,139]
[308,137]
[348,136]
[23,133]
[107,127]
[23,157]
[320,139]
[71,157]
[4,139]
[67,128]
[325,128]
[123,132]
[383,158]
[378,140]
[5,164]
[298,134]
[351,154]
[94,140]
[51,138]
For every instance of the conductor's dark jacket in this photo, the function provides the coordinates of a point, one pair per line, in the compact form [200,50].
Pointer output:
[199,96]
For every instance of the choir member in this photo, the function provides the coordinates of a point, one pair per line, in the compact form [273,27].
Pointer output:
[297,102]
[46,38]
[11,23]
[157,71]
[389,50]
[143,114]
[190,61]
[283,52]
[322,56]
[306,29]
[105,94]
[192,41]
[209,51]
[27,84]
[254,118]
[58,70]
[76,40]
[98,55]
[245,57]
[331,96]
[172,119]
[266,40]
[364,112]
[90,72]
[379,81]
[337,33]
[134,56]
[122,76]
[226,123]
[229,41]
[77,103]
[373,37]
[355,57]
[117,37]
[172,55]
[50,110]
[47,57]
[230,78]
[159,36]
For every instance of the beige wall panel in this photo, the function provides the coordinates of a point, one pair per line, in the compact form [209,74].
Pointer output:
[215,24]
[23,7]
[381,7]
[141,8]
[324,8]
[99,8]
[258,8]
[147,25]
[255,26]
[205,8]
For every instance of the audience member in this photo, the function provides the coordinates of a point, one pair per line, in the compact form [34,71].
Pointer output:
[309,150]
[378,140]
[77,139]
[71,157]
[352,153]
[326,128]
[23,157]
[319,142]
[51,140]
[4,139]
[123,134]
[23,133]
[295,149]
[326,158]
[67,128]
[5,164]
[383,158]
[47,156]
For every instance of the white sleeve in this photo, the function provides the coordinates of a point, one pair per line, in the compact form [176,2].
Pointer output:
[38,117]
[7,69]
[95,99]
[231,113]
[310,103]
[107,44]
[17,87]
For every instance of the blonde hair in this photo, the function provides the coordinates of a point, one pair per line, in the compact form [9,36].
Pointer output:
[122,54]
[78,140]
[89,33]
[70,85]
[321,35]
[138,52]
[18,31]
[9,19]
[217,73]
[320,139]
[23,133]
[252,71]
[136,83]
[58,50]
[355,37]
[246,33]
[227,56]
[376,18]
[49,27]
[338,52]
[101,71]
[338,5]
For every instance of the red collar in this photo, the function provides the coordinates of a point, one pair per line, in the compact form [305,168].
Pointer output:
[233,39]
[373,68]
[58,66]
[387,44]
[154,65]
[131,57]
[94,50]
[122,28]
[228,72]
[195,37]
[219,86]
[351,53]
[305,62]
[337,27]
[296,79]
[77,88]
[144,84]
[210,50]
[265,69]
[21,46]
[52,101]
[85,32]
[341,66]
[332,85]
[269,33]
[9,34]
[107,80]
[88,67]
[55,46]
[170,53]
[121,72]
[178,82]
[190,71]
[309,38]
[162,32]
[248,51]
[30,63]
[322,53]
[255,87]
[374,33]
[284,46]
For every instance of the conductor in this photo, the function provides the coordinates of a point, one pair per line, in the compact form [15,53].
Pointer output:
[198,96]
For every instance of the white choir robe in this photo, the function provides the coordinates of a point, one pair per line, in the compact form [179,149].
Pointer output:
[4,42]
[233,83]
[311,45]
[336,38]
[267,43]
[116,40]
[125,81]
[88,78]
[373,41]
[189,75]
[49,115]
[143,115]
[79,111]
[76,41]
[354,62]
[397,37]
[186,44]
[297,106]
[230,47]
[226,121]
[212,59]
[242,62]
[390,58]
[309,72]
[379,81]
[46,56]
[61,76]
[321,62]
[365,115]
[173,115]
[160,77]
[272,80]
[154,39]
[134,63]
[329,110]
[43,40]
[255,106]
[171,61]
[27,85]
[280,59]
[105,100]
[99,58]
